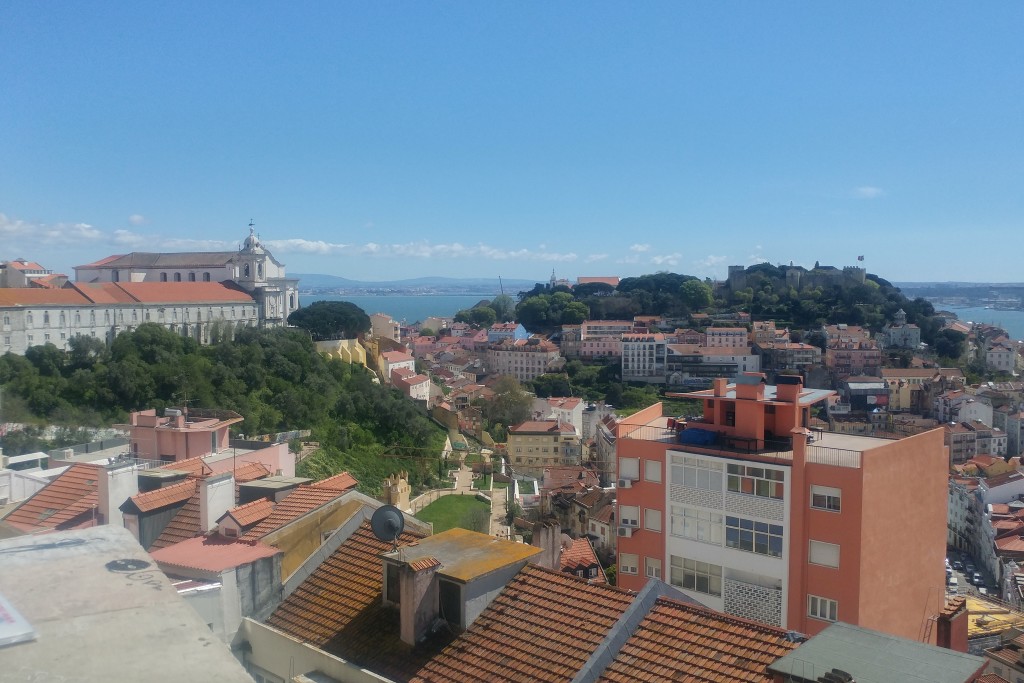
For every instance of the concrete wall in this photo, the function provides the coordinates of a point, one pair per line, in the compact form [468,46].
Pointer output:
[303,537]
[287,657]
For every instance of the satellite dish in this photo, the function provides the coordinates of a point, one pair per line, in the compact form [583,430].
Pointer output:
[387,523]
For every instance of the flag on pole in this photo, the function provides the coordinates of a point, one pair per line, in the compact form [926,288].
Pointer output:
[860,258]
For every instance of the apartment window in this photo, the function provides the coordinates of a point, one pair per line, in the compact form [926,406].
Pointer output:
[825,554]
[628,563]
[697,525]
[629,468]
[629,515]
[7,341]
[7,319]
[695,575]
[652,470]
[46,337]
[698,473]
[825,498]
[753,537]
[756,481]
[822,608]
[30,339]
[652,519]
[652,567]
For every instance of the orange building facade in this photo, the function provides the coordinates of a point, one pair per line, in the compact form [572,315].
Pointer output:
[749,512]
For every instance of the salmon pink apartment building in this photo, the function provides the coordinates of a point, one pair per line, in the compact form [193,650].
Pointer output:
[748,511]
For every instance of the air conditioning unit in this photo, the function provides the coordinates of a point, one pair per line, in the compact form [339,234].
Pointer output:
[625,483]
[626,531]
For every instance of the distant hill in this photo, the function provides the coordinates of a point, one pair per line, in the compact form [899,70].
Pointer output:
[421,285]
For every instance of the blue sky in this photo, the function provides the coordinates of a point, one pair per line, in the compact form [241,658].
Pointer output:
[386,140]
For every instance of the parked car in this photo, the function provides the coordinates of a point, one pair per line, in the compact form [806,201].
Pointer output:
[977,579]
[953,584]
[958,565]
[970,568]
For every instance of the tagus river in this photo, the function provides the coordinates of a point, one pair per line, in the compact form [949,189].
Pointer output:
[405,307]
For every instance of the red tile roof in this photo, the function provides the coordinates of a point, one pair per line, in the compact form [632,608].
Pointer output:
[33,296]
[338,608]
[162,497]
[544,626]
[250,513]
[211,553]
[339,482]
[251,471]
[580,555]
[70,495]
[164,292]
[685,642]
[300,501]
[184,526]
[542,427]
[194,467]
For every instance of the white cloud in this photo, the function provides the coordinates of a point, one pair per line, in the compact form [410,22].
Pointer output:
[628,259]
[667,259]
[868,192]
[128,238]
[711,261]
[137,219]
[595,257]
[640,247]
[301,246]
[53,233]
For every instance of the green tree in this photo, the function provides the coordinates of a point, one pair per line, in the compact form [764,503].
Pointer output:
[695,295]
[504,308]
[331,320]
[950,344]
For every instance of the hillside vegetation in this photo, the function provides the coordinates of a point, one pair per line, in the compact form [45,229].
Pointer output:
[275,379]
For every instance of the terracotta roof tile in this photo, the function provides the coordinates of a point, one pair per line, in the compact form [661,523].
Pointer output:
[682,641]
[339,482]
[183,526]
[251,471]
[543,626]
[338,609]
[424,563]
[250,513]
[992,678]
[31,296]
[194,467]
[212,553]
[162,497]
[299,502]
[580,555]
[60,501]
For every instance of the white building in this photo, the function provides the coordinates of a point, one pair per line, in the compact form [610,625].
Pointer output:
[563,409]
[252,268]
[643,358]
[726,336]
[394,360]
[202,311]
[524,359]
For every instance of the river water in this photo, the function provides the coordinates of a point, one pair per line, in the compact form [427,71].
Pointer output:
[405,308]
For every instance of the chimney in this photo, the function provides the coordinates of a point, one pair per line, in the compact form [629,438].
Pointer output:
[788,388]
[547,536]
[951,629]
[719,384]
[115,484]
[419,596]
[216,496]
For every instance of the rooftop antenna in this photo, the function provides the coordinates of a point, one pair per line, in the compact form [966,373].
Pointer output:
[387,524]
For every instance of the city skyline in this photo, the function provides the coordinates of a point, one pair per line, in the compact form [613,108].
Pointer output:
[389,142]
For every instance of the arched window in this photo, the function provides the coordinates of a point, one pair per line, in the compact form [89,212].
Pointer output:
[245,271]
[259,271]
[46,317]
[191,277]
[163,277]
[115,276]
[177,277]
[206,277]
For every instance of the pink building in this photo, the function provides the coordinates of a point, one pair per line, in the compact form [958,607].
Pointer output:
[179,434]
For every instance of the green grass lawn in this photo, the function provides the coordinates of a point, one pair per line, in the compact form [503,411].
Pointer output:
[465,512]
[483,483]
[500,484]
